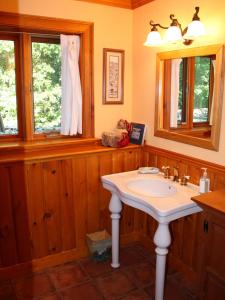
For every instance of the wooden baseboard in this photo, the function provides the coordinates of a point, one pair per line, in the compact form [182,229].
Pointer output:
[38,265]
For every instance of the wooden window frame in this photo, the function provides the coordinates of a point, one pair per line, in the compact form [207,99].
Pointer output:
[11,23]
[19,106]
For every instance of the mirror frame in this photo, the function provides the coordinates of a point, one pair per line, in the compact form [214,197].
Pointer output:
[211,143]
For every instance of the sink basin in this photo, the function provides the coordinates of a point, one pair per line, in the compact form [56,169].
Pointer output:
[152,188]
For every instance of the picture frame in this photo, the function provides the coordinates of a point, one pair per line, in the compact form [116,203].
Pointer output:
[137,134]
[113,76]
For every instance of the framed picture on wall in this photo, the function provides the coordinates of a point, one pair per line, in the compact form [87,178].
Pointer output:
[113,76]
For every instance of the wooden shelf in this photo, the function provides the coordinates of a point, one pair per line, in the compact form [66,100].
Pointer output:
[61,148]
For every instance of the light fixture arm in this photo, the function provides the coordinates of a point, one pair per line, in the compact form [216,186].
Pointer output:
[175,22]
[154,25]
[195,16]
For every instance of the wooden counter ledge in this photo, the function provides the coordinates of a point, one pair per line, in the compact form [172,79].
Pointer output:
[214,200]
[62,148]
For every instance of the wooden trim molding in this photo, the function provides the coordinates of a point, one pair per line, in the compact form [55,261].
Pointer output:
[138,3]
[115,3]
[129,4]
[55,149]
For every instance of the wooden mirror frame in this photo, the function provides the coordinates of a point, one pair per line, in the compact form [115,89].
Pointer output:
[211,142]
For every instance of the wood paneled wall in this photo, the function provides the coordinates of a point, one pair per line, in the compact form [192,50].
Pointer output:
[48,206]
[187,165]
[186,231]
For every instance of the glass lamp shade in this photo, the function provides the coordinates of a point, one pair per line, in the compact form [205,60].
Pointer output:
[195,29]
[153,39]
[173,34]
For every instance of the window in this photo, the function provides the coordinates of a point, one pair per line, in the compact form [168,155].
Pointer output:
[203,88]
[46,75]
[30,75]
[8,97]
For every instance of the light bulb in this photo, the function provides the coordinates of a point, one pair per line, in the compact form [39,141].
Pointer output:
[173,34]
[153,39]
[195,29]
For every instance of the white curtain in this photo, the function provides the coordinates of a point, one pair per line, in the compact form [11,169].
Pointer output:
[175,71]
[212,103]
[71,111]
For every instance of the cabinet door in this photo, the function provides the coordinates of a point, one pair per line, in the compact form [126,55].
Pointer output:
[214,283]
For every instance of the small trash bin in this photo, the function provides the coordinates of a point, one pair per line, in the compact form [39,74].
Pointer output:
[99,244]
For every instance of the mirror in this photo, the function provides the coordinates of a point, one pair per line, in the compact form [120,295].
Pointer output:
[189,95]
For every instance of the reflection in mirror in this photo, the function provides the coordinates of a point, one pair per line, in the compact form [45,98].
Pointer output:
[186,91]
[189,96]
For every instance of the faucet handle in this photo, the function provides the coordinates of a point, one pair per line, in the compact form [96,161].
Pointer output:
[184,179]
[176,171]
[166,171]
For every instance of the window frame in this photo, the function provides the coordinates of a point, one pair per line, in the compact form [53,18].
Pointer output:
[24,26]
[16,39]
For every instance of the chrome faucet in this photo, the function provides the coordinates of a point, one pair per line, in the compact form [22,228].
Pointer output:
[175,174]
[184,180]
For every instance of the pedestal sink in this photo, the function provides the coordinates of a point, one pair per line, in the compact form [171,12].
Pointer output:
[161,198]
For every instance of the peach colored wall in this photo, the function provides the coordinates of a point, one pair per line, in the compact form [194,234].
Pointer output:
[212,13]
[112,29]
[118,28]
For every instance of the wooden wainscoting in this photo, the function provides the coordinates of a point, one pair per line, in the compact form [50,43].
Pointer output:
[49,203]
[48,206]
[186,238]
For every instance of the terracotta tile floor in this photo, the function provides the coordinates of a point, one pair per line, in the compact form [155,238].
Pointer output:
[86,279]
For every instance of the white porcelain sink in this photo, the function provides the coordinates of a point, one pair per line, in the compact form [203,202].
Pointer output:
[162,199]
[152,188]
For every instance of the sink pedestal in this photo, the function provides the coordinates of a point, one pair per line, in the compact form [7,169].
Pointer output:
[115,207]
[162,240]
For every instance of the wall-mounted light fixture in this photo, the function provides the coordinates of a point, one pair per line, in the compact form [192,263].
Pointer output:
[174,32]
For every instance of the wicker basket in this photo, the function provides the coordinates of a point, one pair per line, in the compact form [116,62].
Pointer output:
[99,242]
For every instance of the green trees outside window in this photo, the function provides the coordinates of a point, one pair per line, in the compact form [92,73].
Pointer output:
[196,77]
[46,62]
[8,107]
[46,86]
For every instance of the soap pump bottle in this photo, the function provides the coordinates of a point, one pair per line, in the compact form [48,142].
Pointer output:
[204,182]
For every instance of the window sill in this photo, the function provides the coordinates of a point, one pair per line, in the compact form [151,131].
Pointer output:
[60,148]
[201,132]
